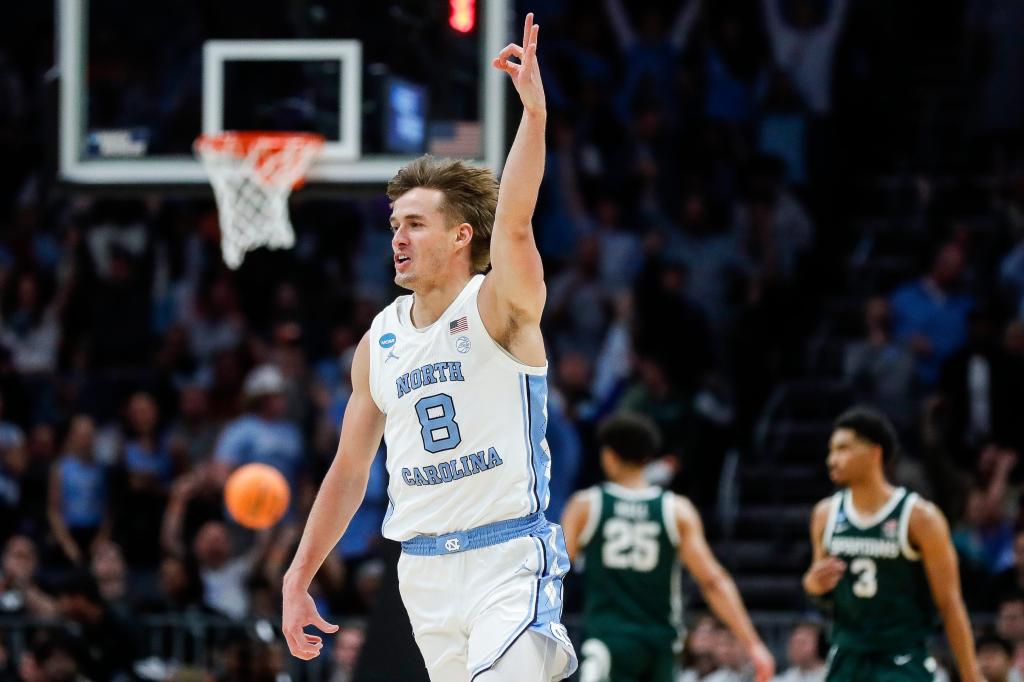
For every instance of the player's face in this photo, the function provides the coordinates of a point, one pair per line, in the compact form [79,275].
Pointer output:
[849,457]
[421,242]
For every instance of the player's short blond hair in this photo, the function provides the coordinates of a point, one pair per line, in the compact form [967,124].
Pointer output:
[469,195]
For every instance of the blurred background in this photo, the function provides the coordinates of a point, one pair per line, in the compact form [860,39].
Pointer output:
[755,213]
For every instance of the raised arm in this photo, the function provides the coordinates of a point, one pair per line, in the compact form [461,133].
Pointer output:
[513,294]
[687,17]
[776,27]
[929,533]
[619,21]
[718,588]
[836,18]
[340,495]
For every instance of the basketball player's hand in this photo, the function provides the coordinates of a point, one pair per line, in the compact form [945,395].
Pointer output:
[526,74]
[763,662]
[298,611]
[824,575]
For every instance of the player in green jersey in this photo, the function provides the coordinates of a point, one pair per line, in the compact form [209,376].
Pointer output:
[883,558]
[633,537]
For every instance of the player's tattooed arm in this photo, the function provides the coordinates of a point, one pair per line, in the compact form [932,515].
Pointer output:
[825,571]
[929,534]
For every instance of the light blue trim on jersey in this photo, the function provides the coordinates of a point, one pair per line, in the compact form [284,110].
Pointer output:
[475,538]
[537,392]
[531,617]
[549,616]
[527,444]
[547,600]
[389,512]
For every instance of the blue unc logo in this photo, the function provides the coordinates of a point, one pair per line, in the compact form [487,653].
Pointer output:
[387,340]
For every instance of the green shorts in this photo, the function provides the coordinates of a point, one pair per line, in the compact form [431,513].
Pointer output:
[912,665]
[624,658]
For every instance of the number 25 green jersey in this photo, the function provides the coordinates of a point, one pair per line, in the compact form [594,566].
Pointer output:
[631,565]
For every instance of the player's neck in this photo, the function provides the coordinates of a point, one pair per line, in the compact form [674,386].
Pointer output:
[871,495]
[428,304]
[634,480]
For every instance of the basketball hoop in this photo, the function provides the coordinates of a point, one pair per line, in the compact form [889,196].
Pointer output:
[252,174]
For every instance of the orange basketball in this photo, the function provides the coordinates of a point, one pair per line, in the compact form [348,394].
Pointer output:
[257,495]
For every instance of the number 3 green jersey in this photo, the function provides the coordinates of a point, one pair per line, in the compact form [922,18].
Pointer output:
[882,602]
[631,566]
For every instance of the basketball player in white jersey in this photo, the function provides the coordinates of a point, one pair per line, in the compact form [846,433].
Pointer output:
[454,377]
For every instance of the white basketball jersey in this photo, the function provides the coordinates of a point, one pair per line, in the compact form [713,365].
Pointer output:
[465,421]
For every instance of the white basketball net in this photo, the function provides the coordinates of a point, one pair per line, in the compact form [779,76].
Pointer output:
[252,176]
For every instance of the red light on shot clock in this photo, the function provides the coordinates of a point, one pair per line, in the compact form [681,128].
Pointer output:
[462,16]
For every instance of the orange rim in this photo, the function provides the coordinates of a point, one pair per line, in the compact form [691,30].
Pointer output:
[240,143]
[245,140]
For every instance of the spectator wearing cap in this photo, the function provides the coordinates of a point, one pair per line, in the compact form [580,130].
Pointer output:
[263,434]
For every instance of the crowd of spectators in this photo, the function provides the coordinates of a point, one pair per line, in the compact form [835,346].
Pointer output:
[694,223]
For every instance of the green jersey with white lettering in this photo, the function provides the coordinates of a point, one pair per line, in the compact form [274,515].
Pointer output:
[882,602]
[631,565]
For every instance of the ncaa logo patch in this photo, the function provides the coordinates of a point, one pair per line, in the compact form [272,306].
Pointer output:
[387,340]
[463,344]
[890,528]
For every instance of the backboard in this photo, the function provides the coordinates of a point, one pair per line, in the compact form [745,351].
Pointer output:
[382,80]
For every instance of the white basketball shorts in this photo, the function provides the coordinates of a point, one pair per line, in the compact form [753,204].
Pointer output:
[467,608]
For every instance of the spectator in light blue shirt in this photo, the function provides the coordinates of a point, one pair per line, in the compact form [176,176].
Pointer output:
[78,503]
[263,435]
[145,454]
[929,315]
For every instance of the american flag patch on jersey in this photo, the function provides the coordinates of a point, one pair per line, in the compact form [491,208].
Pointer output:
[459,325]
